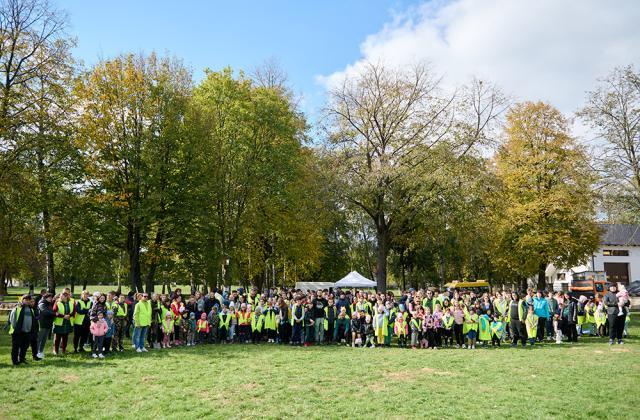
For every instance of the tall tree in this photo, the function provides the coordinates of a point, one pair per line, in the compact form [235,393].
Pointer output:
[613,110]
[132,110]
[548,202]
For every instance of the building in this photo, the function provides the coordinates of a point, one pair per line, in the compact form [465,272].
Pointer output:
[618,256]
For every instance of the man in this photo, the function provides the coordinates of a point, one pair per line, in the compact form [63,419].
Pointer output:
[319,304]
[81,322]
[46,317]
[331,313]
[343,302]
[553,309]
[35,328]
[541,310]
[616,315]
[21,321]
[142,321]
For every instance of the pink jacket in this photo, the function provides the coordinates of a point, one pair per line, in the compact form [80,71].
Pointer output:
[99,328]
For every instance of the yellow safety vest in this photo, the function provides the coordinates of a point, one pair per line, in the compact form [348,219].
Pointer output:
[79,318]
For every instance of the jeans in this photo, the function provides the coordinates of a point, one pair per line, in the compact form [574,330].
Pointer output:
[296,334]
[319,330]
[43,335]
[616,326]
[139,334]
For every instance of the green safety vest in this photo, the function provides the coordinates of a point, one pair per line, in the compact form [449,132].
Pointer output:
[256,322]
[224,323]
[18,310]
[474,326]
[497,328]
[142,313]
[79,318]
[65,309]
[122,310]
[485,328]
[416,322]
[447,321]
[270,319]
[532,325]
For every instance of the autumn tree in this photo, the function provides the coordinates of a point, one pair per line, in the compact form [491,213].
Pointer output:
[547,200]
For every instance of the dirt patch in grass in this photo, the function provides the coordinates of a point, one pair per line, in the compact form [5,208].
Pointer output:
[375,387]
[619,350]
[70,378]
[148,379]
[250,385]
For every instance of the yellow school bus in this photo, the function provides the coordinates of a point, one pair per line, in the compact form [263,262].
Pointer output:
[477,286]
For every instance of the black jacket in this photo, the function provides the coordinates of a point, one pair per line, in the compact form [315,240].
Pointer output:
[46,314]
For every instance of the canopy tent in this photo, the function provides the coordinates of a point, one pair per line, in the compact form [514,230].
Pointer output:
[305,286]
[355,279]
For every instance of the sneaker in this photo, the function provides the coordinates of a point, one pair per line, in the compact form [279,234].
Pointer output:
[464,346]
[37,359]
[620,342]
[101,356]
[40,355]
[139,350]
[95,356]
[144,349]
[611,342]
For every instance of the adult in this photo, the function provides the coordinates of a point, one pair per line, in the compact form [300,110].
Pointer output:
[553,309]
[121,323]
[64,312]
[81,322]
[616,315]
[570,318]
[21,320]
[542,311]
[517,314]
[319,304]
[45,308]
[141,322]
[155,335]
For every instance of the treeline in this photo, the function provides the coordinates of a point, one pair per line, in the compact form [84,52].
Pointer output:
[129,172]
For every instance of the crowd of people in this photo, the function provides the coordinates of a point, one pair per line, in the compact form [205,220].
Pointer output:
[417,318]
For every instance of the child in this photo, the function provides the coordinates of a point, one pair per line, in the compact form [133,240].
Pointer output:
[600,319]
[202,328]
[341,330]
[214,322]
[191,326]
[447,328]
[167,329]
[484,334]
[234,322]
[472,328]
[623,298]
[531,323]
[428,331]
[437,325]
[400,328]
[356,324]
[98,329]
[111,328]
[497,330]
[225,322]
[369,332]
[416,327]
[379,325]
[308,325]
[257,321]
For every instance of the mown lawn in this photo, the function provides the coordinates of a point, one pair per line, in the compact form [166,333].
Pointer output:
[589,379]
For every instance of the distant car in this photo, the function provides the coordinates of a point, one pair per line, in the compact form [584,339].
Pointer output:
[634,288]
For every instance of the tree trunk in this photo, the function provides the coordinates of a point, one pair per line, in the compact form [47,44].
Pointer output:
[133,251]
[157,244]
[383,251]
[542,281]
[3,283]
[46,221]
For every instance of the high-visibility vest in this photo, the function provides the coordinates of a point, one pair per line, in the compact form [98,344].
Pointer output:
[497,328]
[474,326]
[244,318]
[485,328]
[79,318]
[18,311]
[122,310]
[224,323]
[300,315]
[401,324]
[109,305]
[202,325]
[417,323]
[256,322]
[63,309]
[143,312]
[447,321]
[270,319]
[531,324]
[168,325]
[253,301]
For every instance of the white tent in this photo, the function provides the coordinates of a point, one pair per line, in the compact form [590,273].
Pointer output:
[355,279]
[305,286]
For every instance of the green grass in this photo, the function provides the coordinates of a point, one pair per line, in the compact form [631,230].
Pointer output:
[589,379]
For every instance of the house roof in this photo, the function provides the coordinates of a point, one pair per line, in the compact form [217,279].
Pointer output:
[620,234]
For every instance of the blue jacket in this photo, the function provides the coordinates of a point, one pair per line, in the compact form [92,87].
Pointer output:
[541,307]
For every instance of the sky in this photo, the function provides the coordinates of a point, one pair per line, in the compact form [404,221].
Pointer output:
[550,50]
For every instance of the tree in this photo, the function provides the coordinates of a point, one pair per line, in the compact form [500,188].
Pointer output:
[613,110]
[130,123]
[388,130]
[547,202]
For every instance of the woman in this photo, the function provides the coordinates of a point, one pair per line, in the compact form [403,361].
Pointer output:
[64,312]
[155,335]
[458,321]
[177,307]
[99,306]
[284,328]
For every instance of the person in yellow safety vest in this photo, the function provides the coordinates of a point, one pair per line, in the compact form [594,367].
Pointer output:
[142,314]
[471,320]
[72,301]
[400,328]
[167,330]
[447,325]
[81,322]
[297,322]
[484,329]
[202,328]
[22,320]
[531,324]
[254,298]
[429,301]
[225,322]
[601,319]
[270,323]
[121,309]
[389,322]
[416,326]
[590,318]
[497,330]
[516,314]
[500,306]
[63,323]
[379,324]
[244,324]
[257,322]
[330,315]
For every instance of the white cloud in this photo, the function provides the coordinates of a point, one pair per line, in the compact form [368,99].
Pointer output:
[551,50]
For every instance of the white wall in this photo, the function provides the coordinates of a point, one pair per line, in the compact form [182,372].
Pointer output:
[633,259]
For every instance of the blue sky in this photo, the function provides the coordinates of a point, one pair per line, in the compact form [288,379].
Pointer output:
[308,38]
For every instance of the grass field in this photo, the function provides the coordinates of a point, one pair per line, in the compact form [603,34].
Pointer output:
[589,379]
